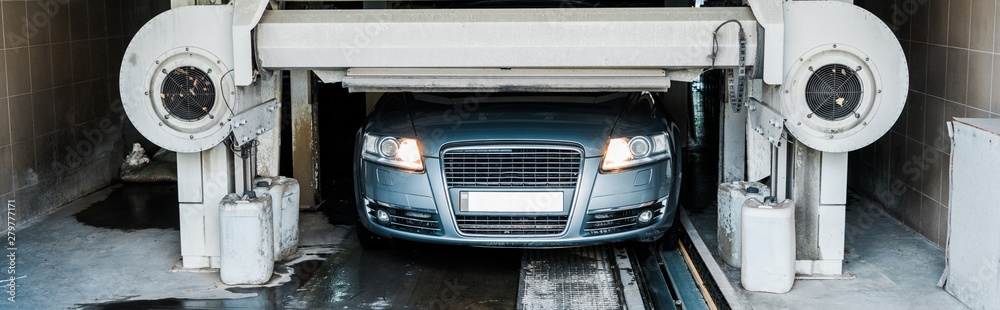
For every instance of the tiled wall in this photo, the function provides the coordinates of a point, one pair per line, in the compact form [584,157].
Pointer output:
[61,121]
[952,49]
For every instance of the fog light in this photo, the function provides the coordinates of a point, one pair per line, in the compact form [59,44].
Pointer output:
[382,217]
[645,217]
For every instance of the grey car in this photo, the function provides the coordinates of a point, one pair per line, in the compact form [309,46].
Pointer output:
[517,169]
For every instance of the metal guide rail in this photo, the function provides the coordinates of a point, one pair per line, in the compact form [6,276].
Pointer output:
[671,279]
[634,276]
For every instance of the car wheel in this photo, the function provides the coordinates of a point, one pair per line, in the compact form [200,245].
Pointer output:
[370,240]
[673,234]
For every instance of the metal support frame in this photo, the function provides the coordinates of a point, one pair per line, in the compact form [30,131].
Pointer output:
[606,49]
[305,159]
[203,178]
[467,80]
[269,150]
[732,151]
[819,189]
[246,15]
[379,50]
[780,163]
[816,180]
[770,16]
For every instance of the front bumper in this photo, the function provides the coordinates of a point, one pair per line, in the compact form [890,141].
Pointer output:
[422,199]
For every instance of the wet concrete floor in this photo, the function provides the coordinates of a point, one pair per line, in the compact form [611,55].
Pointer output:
[267,297]
[135,206]
[420,276]
[411,276]
[416,276]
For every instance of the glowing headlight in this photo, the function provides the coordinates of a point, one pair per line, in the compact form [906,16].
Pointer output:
[639,147]
[409,152]
[397,152]
[617,154]
[624,153]
[388,147]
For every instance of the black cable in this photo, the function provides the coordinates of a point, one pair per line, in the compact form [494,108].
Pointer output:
[244,150]
[715,39]
[222,81]
[737,85]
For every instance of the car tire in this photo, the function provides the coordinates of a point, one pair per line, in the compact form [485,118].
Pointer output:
[370,240]
[673,234]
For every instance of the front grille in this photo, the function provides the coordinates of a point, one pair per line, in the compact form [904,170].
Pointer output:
[512,225]
[512,167]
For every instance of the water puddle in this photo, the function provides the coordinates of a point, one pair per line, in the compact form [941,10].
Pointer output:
[134,207]
[267,297]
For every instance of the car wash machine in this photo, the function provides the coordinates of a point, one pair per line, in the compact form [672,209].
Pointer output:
[832,78]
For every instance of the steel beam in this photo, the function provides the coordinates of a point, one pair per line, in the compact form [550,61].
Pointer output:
[464,80]
[615,38]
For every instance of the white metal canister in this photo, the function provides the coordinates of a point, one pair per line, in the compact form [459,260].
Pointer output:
[731,198]
[285,206]
[768,245]
[247,239]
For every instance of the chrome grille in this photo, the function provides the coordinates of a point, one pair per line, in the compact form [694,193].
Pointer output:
[512,167]
[512,225]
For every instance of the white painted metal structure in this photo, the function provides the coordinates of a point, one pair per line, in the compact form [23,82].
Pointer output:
[541,44]
[609,49]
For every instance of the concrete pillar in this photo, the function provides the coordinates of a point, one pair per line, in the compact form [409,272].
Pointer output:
[305,151]
[269,150]
[732,142]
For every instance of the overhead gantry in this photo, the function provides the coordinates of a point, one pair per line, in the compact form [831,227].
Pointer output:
[800,50]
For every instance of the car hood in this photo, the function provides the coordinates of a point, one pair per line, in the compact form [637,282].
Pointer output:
[584,120]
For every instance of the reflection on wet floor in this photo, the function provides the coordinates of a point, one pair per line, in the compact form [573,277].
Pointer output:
[418,276]
[267,297]
[135,206]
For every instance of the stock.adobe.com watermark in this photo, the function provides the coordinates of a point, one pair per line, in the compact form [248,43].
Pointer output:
[11,286]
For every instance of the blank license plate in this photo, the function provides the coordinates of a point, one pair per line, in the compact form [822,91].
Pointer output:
[511,202]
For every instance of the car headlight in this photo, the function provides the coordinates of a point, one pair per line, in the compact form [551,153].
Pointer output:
[397,152]
[623,153]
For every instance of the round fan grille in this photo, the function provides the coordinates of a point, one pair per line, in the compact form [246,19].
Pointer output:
[188,93]
[834,92]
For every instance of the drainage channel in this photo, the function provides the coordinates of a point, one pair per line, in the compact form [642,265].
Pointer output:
[635,276]
[669,279]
